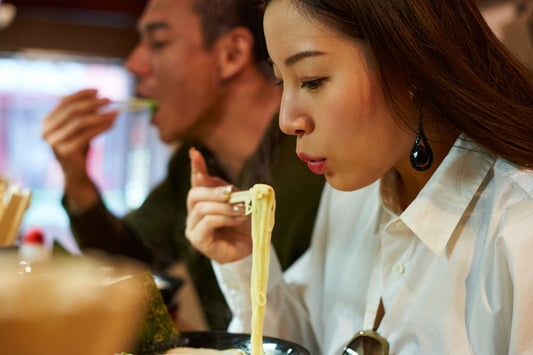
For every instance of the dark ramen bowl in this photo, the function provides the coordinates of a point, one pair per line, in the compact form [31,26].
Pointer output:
[223,340]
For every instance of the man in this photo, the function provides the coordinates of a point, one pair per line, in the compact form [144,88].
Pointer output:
[512,22]
[204,61]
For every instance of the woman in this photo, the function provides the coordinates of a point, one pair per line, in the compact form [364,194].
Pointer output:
[424,120]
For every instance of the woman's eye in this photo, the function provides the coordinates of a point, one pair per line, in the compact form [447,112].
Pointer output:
[279,83]
[313,84]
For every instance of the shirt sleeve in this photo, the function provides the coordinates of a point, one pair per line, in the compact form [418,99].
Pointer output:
[98,228]
[151,233]
[286,315]
[518,248]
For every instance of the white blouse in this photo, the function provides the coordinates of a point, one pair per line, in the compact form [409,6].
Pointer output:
[453,269]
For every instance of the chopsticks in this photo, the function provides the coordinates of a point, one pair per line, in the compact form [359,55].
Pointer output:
[239,196]
[13,204]
[136,104]
[130,104]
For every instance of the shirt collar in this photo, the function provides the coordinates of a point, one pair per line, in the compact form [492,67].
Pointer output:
[437,210]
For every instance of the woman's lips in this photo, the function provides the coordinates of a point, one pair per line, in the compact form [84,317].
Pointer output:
[315,164]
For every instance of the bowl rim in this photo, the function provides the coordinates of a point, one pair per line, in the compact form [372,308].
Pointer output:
[242,336]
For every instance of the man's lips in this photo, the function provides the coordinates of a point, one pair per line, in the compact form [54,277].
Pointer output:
[146,95]
[315,164]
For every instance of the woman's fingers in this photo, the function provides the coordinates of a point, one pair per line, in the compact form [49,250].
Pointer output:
[219,209]
[199,174]
[203,201]
[221,238]
[216,228]
[209,228]
[198,167]
[201,234]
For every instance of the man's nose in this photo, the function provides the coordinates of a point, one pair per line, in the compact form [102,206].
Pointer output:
[137,62]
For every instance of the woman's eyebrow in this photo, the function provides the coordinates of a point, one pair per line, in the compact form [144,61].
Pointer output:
[301,55]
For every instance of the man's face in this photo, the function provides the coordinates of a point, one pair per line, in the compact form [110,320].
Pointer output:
[173,67]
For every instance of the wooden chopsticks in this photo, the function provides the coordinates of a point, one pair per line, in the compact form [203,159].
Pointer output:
[239,196]
[13,204]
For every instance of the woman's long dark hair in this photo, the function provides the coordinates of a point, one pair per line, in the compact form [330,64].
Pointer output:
[447,55]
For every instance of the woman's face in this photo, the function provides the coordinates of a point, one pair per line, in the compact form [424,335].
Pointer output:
[332,100]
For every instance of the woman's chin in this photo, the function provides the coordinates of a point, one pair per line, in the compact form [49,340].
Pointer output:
[338,183]
[345,183]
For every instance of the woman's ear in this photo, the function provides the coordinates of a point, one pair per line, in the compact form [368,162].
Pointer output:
[235,52]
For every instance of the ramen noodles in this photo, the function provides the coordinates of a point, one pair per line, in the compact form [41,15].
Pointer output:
[260,204]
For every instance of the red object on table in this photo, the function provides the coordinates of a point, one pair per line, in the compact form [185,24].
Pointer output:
[33,236]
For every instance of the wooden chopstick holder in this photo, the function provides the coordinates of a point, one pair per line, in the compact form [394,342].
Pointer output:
[3,186]
[10,222]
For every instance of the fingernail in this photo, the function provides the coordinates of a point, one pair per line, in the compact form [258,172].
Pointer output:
[191,151]
[225,191]
[239,208]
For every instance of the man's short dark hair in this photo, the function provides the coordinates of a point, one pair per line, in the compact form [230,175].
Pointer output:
[220,16]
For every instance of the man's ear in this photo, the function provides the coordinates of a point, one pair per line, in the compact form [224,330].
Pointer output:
[234,52]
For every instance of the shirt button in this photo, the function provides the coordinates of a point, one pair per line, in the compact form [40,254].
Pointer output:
[398,269]
[400,224]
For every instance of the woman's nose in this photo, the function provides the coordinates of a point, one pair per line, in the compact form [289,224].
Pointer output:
[292,119]
[137,62]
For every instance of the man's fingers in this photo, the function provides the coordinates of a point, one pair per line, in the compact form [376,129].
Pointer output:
[72,108]
[85,128]
[85,93]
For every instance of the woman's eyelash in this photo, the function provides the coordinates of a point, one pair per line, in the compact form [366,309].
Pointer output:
[313,84]
[310,84]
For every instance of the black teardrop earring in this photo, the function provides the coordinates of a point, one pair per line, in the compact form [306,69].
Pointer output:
[421,155]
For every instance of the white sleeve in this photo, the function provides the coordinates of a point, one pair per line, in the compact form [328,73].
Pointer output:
[518,241]
[286,315]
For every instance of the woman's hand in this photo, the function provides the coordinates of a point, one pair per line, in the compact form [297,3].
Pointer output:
[216,228]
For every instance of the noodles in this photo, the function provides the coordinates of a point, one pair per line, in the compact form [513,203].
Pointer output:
[261,204]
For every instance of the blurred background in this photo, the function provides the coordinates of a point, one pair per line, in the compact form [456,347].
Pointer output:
[51,48]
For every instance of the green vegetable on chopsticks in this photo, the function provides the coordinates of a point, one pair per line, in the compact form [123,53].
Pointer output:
[137,104]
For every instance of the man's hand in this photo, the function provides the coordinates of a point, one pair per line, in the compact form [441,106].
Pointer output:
[68,129]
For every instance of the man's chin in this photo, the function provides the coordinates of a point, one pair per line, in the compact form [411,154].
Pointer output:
[155,121]
[165,136]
